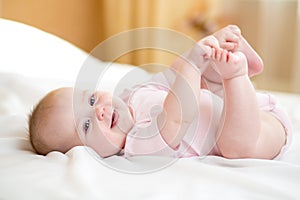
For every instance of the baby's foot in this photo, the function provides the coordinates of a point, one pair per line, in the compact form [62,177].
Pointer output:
[230,65]
[231,39]
[255,63]
[228,39]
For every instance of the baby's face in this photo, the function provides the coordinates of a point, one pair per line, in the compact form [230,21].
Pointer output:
[101,121]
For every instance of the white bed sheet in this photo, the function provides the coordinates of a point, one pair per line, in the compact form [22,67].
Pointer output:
[78,175]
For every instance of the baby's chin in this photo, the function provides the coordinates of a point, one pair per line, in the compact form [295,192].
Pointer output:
[124,114]
[125,122]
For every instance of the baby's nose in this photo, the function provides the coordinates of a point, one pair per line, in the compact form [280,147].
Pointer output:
[100,112]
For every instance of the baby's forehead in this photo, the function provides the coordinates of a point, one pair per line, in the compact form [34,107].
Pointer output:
[61,117]
[70,96]
[58,103]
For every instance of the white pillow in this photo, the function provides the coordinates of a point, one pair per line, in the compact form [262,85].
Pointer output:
[29,51]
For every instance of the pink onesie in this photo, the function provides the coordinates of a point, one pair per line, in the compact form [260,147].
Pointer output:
[200,140]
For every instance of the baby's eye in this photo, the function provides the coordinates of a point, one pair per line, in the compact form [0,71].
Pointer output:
[86,126]
[92,100]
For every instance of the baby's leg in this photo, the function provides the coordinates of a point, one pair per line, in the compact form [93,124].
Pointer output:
[231,39]
[246,131]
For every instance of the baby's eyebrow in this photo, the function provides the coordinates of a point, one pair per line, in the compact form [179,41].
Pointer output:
[79,97]
[84,94]
[80,100]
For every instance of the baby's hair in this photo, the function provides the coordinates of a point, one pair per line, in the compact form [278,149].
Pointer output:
[47,125]
[36,122]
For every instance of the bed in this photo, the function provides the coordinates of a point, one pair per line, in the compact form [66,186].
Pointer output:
[33,62]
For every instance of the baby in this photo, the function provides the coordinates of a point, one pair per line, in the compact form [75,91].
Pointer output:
[206,106]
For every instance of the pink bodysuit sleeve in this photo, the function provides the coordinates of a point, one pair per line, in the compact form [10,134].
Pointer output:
[147,140]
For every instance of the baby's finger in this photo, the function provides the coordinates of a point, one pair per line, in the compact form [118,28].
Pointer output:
[232,57]
[213,53]
[232,38]
[229,46]
[224,56]
[207,52]
[218,54]
[212,42]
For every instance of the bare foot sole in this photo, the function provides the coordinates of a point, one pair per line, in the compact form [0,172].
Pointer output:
[255,63]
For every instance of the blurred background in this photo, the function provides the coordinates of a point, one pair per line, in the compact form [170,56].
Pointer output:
[272,27]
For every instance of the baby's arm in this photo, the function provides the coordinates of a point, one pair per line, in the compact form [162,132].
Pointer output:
[246,131]
[181,103]
[195,54]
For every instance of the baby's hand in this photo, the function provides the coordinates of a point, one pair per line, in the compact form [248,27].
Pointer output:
[230,65]
[201,53]
[229,37]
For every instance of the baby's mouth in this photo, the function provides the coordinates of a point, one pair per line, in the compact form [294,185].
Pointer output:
[114,119]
